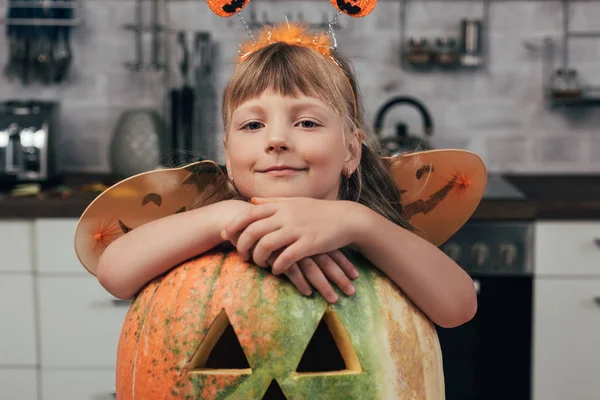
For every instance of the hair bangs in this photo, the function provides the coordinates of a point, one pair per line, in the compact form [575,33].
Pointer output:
[287,70]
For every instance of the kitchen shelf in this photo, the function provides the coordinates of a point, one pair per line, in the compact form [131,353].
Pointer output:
[449,68]
[72,20]
[581,101]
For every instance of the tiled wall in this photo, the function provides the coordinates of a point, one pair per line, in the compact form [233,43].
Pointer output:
[499,113]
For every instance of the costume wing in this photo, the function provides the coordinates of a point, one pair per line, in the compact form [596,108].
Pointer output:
[137,200]
[439,189]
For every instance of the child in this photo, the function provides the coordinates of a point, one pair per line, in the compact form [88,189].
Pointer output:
[297,145]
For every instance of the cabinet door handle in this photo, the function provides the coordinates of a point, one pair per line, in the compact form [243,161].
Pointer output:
[597,241]
[597,300]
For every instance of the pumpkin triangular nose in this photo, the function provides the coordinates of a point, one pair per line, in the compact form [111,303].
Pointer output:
[274,392]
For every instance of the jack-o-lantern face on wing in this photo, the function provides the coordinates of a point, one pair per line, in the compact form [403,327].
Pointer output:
[217,327]
[136,201]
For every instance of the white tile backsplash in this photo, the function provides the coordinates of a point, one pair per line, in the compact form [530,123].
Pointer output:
[498,112]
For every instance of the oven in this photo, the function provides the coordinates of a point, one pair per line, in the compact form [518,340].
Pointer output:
[490,357]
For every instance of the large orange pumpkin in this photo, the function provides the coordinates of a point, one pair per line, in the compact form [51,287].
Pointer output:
[217,327]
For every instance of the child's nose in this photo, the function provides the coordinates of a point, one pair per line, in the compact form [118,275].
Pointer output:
[276,144]
[277,139]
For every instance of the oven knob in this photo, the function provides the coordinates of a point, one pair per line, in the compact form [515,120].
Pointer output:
[453,251]
[508,253]
[480,252]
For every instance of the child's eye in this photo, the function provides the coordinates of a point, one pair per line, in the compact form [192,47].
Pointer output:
[308,124]
[252,125]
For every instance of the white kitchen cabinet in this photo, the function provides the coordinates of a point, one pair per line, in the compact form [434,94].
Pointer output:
[80,323]
[18,384]
[17,329]
[567,248]
[566,339]
[78,385]
[16,246]
[55,248]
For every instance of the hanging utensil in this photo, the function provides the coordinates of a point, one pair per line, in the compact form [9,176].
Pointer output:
[187,99]
[138,63]
[205,124]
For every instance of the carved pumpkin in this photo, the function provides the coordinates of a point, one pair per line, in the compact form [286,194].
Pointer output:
[180,334]
[355,8]
[217,327]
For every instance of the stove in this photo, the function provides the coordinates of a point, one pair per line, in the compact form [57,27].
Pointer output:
[495,346]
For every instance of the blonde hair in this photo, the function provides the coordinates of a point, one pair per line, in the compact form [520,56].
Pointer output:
[292,70]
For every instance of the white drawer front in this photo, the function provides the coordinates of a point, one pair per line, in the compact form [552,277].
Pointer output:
[55,249]
[18,384]
[78,385]
[16,246]
[567,248]
[566,356]
[80,324]
[17,329]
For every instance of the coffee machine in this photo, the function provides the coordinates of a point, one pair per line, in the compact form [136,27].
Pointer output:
[28,131]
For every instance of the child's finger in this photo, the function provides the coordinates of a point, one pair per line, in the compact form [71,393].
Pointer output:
[292,254]
[275,241]
[245,218]
[297,278]
[264,200]
[252,234]
[316,277]
[334,273]
[345,264]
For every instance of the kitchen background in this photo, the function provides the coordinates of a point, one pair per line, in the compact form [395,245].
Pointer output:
[499,111]
[532,246]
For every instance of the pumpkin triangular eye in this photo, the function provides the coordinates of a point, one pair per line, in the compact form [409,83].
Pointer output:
[220,352]
[274,392]
[330,350]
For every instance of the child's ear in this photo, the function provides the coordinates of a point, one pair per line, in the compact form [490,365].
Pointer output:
[228,166]
[354,149]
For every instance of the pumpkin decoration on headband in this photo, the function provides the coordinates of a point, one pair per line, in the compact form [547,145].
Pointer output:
[218,327]
[353,8]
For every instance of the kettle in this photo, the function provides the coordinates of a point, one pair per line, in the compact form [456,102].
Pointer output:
[402,141]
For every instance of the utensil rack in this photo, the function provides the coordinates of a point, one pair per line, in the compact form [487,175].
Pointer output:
[44,4]
[590,93]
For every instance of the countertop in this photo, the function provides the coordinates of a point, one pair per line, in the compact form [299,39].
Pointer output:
[547,197]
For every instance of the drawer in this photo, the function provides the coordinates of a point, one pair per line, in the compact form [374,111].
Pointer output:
[80,322]
[16,246]
[55,248]
[18,384]
[567,248]
[78,385]
[17,329]
[566,341]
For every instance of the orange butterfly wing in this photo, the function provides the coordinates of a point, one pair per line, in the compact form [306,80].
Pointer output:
[440,189]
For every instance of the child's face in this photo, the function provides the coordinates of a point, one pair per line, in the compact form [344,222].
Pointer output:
[303,135]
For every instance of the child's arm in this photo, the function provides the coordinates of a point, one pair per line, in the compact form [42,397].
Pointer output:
[435,283]
[132,260]
[301,227]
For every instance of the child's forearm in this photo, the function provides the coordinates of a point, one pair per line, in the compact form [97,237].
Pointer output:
[153,248]
[435,283]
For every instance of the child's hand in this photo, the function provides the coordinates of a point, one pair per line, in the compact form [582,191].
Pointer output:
[298,227]
[319,271]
